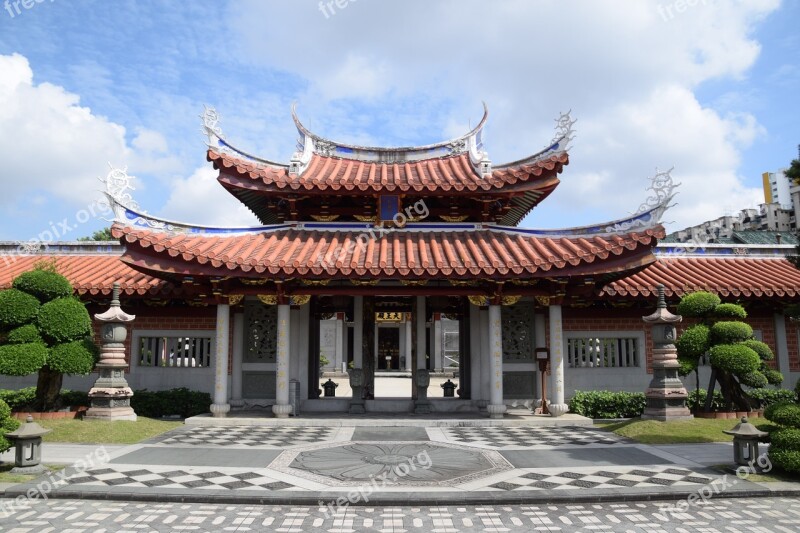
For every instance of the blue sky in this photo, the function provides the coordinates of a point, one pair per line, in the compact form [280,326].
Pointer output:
[710,88]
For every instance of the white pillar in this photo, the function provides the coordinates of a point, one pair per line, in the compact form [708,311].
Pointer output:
[496,406]
[436,345]
[540,334]
[337,360]
[475,353]
[781,345]
[281,409]
[419,318]
[358,331]
[409,340]
[236,364]
[220,407]
[557,406]
[486,370]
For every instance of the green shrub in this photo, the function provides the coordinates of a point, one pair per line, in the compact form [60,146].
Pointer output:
[694,342]
[773,376]
[76,357]
[22,359]
[761,348]
[797,389]
[786,439]
[765,397]
[182,402]
[64,320]
[730,311]
[735,358]
[698,304]
[730,332]
[786,460]
[754,379]
[20,399]
[699,397]
[17,308]
[70,398]
[44,285]
[24,334]
[7,424]
[784,413]
[687,365]
[606,404]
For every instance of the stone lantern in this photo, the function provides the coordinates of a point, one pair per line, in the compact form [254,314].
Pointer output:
[111,396]
[666,395]
[745,442]
[27,441]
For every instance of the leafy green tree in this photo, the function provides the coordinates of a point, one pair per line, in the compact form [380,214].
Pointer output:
[99,235]
[793,172]
[736,358]
[44,329]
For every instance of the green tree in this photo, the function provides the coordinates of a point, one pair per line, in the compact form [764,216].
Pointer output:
[793,172]
[736,358]
[44,329]
[99,235]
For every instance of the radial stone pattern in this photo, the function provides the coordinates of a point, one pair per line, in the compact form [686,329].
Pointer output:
[392,463]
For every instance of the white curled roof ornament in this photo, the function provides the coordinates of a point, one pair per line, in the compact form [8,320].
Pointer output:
[652,210]
[211,128]
[118,186]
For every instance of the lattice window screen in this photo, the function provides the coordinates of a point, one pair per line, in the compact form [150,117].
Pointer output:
[261,333]
[518,332]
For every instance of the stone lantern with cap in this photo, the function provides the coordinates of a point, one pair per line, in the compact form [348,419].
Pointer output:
[111,396]
[745,442]
[27,441]
[666,395]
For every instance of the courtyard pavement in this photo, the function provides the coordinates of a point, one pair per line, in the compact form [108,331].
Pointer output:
[330,466]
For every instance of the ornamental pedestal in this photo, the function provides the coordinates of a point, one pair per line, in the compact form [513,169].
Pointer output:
[111,397]
[666,395]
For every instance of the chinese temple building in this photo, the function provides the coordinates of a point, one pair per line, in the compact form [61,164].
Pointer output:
[375,255]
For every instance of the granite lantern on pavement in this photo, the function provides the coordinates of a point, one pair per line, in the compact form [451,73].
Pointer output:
[111,396]
[666,395]
[745,442]
[27,441]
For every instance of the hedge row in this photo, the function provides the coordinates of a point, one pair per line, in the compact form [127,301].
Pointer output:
[150,404]
[606,404]
[784,449]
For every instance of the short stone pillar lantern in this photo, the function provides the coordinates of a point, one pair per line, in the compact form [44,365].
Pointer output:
[422,406]
[330,388]
[357,386]
[666,395]
[27,440]
[449,389]
[111,396]
[745,442]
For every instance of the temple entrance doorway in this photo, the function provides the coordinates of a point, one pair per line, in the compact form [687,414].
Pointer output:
[388,354]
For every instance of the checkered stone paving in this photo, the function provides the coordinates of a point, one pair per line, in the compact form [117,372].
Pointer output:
[267,436]
[503,437]
[772,515]
[188,478]
[657,476]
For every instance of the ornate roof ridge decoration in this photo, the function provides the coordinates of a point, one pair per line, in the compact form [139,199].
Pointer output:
[723,251]
[653,208]
[564,135]
[215,139]
[311,143]
[138,218]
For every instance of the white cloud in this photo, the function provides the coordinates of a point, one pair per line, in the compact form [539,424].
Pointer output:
[200,199]
[629,74]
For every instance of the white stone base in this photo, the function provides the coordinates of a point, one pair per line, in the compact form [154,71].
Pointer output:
[558,409]
[496,411]
[281,411]
[219,410]
[110,413]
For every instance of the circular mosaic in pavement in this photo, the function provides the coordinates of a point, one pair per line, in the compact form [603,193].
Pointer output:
[391,463]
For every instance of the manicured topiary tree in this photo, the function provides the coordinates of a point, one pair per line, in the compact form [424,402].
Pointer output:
[44,329]
[7,424]
[784,448]
[736,358]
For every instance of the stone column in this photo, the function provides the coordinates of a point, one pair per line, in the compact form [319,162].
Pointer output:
[408,331]
[220,407]
[781,344]
[339,352]
[486,364]
[282,408]
[419,320]
[557,406]
[666,395]
[236,363]
[358,331]
[436,344]
[540,339]
[496,406]
[111,396]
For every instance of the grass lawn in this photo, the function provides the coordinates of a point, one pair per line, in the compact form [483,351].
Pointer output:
[7,477]
[99,432]
[697,430]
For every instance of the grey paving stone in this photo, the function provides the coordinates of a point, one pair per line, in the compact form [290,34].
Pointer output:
[580,457]
[155,455]
[385,434]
